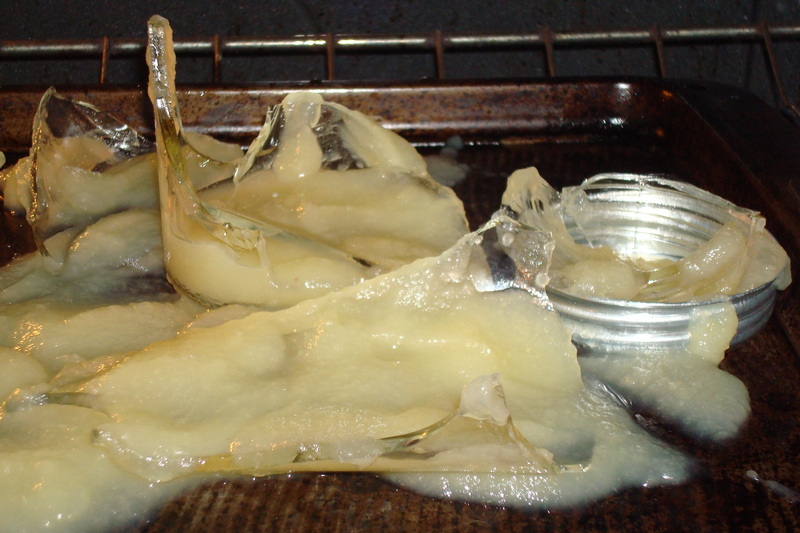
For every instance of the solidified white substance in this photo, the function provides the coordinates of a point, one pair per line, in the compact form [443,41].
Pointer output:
[53,479]
[601,278]
[740,256]
[331,377]
[56,334]
[95,298]
[15,181]
[83,164]
[19,370]
[323,199]
[443,167]
[77,194]
[620,455]
[367,213]
[87,194]
[99,287]
[711,329]
[684,386]
[410,340]
[452,379]
[276,274]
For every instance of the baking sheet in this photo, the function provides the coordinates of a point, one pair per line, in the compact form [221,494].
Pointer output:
[715,136]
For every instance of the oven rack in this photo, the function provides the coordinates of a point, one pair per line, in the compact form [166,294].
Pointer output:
[439,44]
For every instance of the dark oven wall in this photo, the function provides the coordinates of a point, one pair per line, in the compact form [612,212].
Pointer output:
[739,63]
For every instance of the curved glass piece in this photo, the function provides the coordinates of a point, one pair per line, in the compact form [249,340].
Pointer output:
[647,238]
[84,164]
[324,198]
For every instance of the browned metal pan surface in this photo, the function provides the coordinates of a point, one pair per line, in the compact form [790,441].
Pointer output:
[717,137]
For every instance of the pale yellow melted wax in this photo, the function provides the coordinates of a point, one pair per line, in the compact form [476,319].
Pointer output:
[343,226]
[742,255]
[385,357]
[115,434]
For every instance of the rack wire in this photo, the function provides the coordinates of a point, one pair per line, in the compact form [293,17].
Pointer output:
[437,43]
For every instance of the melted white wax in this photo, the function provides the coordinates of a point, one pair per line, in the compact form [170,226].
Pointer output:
[384,358]
[120,397]
[306,220]
[742,255]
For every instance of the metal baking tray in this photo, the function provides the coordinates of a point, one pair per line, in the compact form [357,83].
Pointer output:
[717,137]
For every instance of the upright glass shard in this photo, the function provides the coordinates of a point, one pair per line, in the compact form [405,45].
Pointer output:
[324,198]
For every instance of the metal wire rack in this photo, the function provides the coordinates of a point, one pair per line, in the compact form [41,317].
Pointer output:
[439,44]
